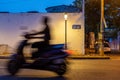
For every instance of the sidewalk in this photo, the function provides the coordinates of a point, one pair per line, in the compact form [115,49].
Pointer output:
[92,56]
[87,56]
[5,56]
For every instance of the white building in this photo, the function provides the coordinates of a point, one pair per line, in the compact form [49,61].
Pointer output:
[12,25]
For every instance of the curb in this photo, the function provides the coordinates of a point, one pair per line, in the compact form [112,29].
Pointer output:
[89,57]
[4,57]
[70,57]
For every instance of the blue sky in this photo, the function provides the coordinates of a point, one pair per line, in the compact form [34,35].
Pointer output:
[30,5]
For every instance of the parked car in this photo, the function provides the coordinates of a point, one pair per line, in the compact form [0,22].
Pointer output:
[107,48]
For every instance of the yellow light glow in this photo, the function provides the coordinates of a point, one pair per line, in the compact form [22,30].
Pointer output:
[65,16]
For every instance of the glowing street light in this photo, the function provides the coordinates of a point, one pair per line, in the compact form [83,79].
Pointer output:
[65,17]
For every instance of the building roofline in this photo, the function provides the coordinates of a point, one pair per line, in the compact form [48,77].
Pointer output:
[61,5]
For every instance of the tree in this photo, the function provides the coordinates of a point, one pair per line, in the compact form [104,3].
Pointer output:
[93,13]
[77,3]
[92,16]
[112,16]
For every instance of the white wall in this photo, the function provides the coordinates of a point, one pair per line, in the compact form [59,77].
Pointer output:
[11,26]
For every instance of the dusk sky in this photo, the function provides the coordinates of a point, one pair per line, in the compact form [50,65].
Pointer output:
[30,5]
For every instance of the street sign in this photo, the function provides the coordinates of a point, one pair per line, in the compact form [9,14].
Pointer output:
[76,26]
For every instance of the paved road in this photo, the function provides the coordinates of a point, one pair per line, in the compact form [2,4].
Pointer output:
[79,69]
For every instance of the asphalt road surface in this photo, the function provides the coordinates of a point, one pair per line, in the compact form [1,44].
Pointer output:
[79,69]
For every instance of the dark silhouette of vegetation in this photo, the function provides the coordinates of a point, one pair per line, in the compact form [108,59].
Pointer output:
[93,13]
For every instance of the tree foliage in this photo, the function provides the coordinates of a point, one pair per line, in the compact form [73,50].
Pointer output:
[112,15]
[93,13]
[77,3]
[92,16]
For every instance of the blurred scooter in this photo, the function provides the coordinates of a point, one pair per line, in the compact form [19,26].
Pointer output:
[53,58]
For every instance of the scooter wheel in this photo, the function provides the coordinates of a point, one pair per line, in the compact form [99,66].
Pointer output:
[62,69]
[12,67]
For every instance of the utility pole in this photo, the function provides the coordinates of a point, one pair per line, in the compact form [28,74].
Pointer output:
[101,43]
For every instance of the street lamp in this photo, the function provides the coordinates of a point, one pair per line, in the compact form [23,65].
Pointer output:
[101,51]
[65,17]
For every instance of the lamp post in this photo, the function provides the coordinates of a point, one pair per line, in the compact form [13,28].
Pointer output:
[65,17]
[101,51]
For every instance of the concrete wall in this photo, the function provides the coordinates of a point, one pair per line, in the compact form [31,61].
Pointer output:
[12,25]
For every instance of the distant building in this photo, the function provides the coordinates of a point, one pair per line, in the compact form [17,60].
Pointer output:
[63,8]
